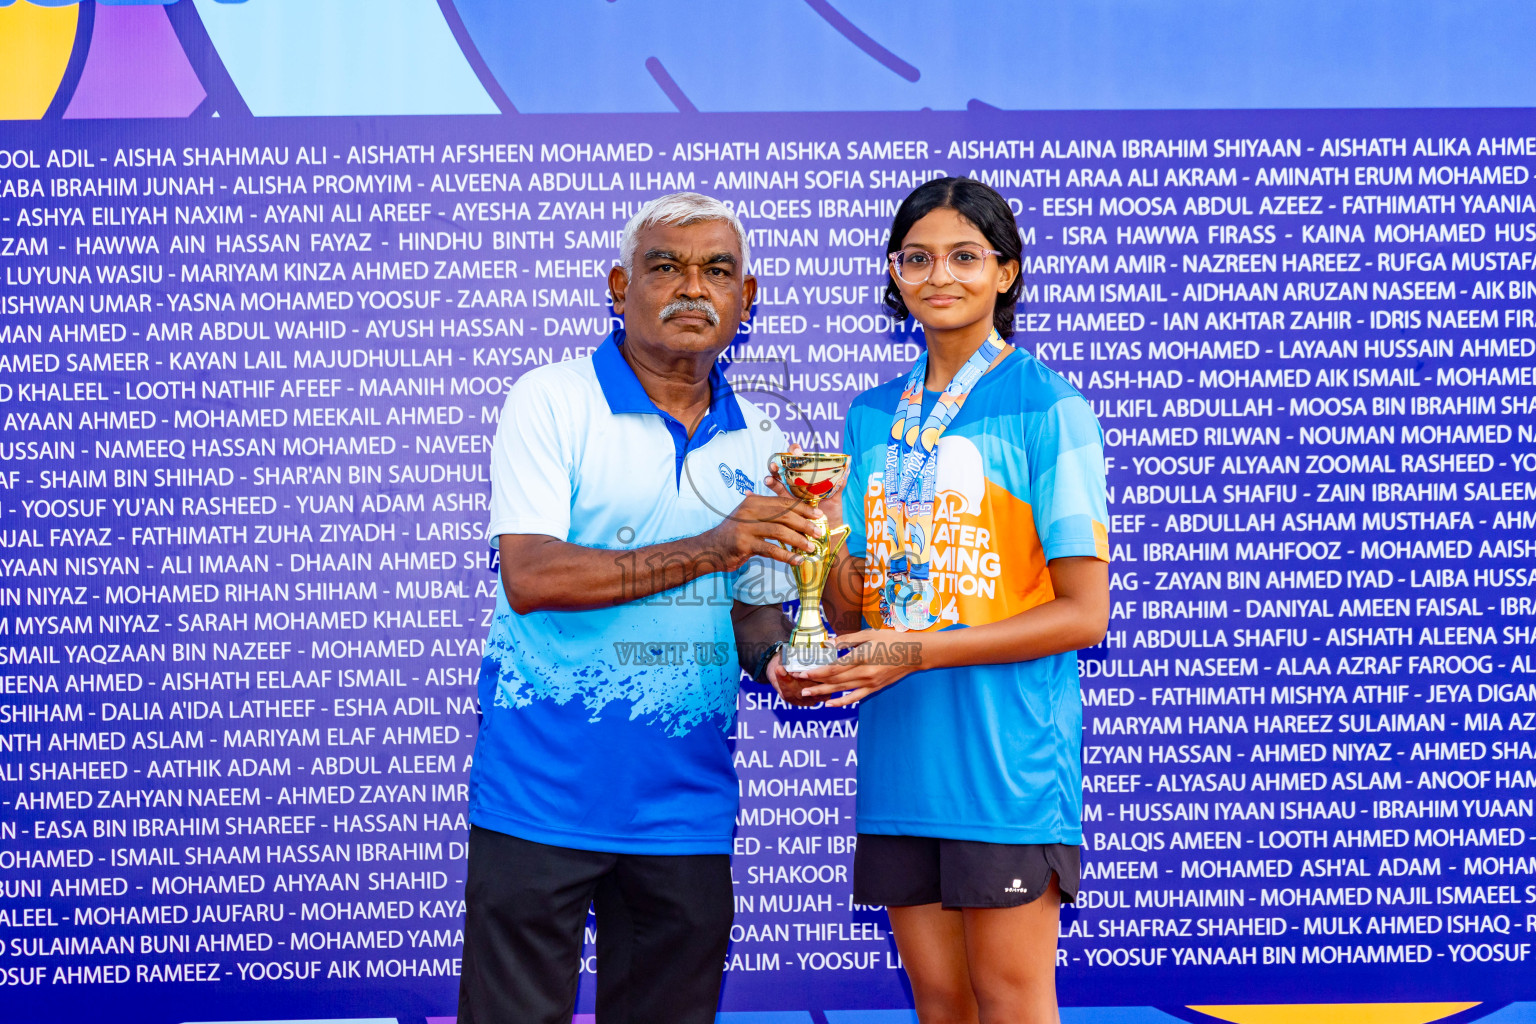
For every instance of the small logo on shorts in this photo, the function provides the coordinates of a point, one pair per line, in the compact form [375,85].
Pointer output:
[1016,886]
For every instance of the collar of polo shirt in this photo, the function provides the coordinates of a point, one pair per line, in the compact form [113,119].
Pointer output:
[624,394]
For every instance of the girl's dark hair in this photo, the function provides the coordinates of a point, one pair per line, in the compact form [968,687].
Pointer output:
[980,205]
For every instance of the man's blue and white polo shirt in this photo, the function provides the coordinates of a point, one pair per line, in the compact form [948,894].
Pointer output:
[606,729]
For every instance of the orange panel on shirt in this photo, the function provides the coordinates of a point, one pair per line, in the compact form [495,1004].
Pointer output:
[987,563]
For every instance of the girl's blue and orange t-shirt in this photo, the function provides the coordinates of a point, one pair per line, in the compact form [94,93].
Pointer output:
[986,752]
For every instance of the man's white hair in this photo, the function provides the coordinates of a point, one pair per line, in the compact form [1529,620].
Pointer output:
[679,208]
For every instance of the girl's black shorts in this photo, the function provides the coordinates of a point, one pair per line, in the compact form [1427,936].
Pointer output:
[901,871]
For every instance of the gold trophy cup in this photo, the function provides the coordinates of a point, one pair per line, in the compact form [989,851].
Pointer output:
[811,476]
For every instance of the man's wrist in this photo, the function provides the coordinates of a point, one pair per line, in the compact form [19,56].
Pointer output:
[759,674]
[700,556]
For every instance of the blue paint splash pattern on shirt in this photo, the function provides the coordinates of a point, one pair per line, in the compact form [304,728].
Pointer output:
[672,696]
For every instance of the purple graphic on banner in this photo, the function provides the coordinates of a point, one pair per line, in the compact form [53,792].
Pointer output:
[135,67]
[858,37]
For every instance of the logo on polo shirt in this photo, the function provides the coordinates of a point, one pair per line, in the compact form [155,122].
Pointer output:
[736,478]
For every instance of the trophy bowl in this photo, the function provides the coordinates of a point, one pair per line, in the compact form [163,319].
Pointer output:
[811,476]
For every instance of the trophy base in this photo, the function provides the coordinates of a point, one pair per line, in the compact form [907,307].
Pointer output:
[799,657]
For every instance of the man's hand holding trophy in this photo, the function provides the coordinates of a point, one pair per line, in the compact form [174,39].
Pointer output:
[810,477]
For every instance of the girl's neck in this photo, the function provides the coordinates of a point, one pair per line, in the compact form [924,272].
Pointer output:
[948,351]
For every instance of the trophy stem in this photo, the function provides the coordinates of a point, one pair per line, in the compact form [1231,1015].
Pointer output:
[809,630]
[809,641]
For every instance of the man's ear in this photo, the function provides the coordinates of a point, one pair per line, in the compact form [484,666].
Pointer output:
[748,296]
[618,287]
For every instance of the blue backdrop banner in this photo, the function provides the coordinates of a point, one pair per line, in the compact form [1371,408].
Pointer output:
[258,321]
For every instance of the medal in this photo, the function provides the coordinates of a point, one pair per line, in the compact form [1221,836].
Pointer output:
[911,471]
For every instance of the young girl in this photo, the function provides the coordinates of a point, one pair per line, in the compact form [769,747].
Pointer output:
[978,561]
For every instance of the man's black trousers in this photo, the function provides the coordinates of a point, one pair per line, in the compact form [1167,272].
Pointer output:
[663,925]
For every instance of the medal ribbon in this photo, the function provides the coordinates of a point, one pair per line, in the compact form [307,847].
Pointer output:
[911,471]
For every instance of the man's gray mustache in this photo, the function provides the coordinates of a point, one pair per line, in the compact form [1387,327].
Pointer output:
[691,306]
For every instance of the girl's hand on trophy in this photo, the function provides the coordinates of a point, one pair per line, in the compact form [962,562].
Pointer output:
[877,658]
[772,527]
[790,688]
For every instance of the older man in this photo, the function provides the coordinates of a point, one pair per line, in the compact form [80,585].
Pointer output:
[638,546]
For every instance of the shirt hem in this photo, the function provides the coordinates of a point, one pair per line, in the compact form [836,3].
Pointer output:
[970,833]
[545,527]
[769,600]
[678,846]
[1075,551]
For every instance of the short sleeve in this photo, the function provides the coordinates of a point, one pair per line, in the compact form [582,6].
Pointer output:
[531,464]
[764,580]
[853,495]
[1066,459]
